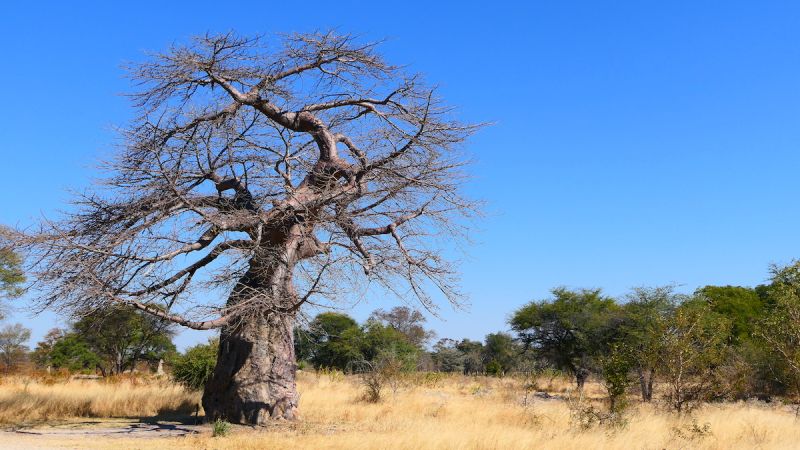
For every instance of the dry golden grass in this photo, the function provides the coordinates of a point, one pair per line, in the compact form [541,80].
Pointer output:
[453,413]
[26,400]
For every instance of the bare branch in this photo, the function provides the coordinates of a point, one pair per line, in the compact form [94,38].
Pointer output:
[320,156]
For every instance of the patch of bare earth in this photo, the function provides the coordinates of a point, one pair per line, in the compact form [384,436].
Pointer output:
[79,433]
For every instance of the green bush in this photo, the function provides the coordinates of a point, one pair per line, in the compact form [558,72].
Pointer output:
[220,428]
[195,367]
[494,368]
[615,370]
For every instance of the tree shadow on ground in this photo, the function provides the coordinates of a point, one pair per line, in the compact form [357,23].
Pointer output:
[143,427]
[173,418]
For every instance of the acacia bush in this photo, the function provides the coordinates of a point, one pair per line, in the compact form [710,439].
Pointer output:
[694,348]
[616,370]
[195,367]
[382,372]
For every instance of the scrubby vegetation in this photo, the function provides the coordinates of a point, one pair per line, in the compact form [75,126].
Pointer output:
[194,368]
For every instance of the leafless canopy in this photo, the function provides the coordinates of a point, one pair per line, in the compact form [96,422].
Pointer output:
[313,166]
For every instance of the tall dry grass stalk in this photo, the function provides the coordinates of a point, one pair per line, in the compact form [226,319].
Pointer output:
[24,400]
[453,412]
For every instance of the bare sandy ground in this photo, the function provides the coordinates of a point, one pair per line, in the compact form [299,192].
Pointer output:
[76,435]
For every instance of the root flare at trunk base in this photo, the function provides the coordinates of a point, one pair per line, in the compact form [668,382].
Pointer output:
[254,380]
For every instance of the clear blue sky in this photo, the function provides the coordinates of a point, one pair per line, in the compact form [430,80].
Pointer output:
[636,143]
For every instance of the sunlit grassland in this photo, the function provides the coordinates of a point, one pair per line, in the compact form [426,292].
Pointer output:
[25,400]
[422,411]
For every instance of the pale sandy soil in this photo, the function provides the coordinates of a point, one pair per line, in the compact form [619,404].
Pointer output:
[83,433]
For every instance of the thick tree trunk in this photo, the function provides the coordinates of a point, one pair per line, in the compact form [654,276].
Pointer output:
[254,380]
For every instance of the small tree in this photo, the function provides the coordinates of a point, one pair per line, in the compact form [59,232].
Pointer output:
[570,330]
[747,369]
[72,353]
[121,336]
[409,322]
[446,356]
[742,306]
[500,353]
[646,318]
[331,340]
[615,370]
[194,368]
[472,352]
[780,330]
[41,354]
[12,345]
[694,345]
[384,343]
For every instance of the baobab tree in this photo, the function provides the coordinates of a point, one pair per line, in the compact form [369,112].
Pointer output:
[258,178]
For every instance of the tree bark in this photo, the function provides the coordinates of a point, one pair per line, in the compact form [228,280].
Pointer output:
[646,384]
[118,367]
[254,380]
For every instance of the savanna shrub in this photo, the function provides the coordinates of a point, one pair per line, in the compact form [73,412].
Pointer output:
[494,368]
[384,371]
[220,428]
[195,367]
[615,371]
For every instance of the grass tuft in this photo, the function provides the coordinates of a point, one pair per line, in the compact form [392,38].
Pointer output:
[220,428]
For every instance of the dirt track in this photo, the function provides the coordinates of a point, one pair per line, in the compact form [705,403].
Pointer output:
[75,434]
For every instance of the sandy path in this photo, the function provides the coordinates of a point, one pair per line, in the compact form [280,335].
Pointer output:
[75,434]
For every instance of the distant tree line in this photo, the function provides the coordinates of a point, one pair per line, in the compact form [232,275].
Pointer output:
[110,340]
[336,341]
[720,342]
